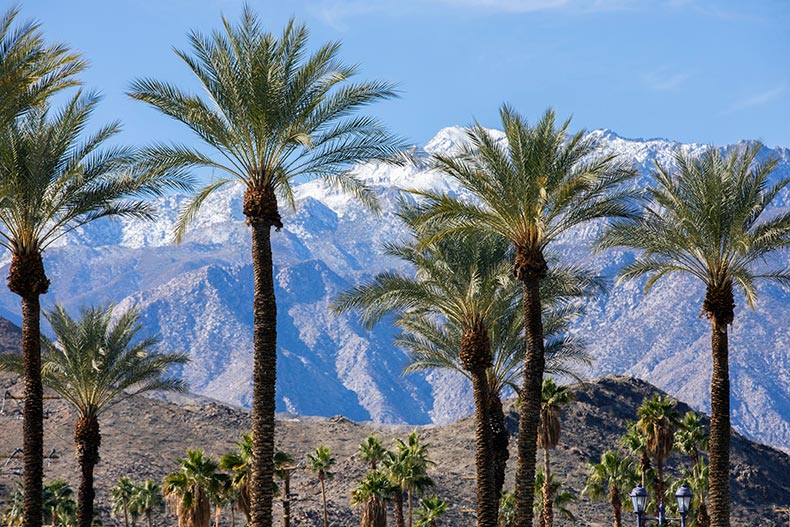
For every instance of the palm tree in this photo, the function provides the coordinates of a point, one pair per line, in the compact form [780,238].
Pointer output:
[507,509]
[553,398]
[30,69]
[282,470]
[320,461]
[657,424]
[560,499]
[612,479]
[636,445]
[539,186]
[122,495]
[190,489]
[691,438]
[50,184]
[372,451]
[93,364]
[430,510]
[697,480]
[147,498]
[59,504]
[708,219]
[408,469]
[372,493]
[12,514]
[271,114]
[239,464]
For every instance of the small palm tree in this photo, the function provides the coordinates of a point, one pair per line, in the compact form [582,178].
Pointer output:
[320,461]
[657,424]
[93,364]
[59,504]
[239,464]
[507,509]
[612,479]
[12,514]
[283,466]
[712,219]
[270,113]
[430,510]
[147,499]
[190,489]
[553,398]
[122,495]
[691,438]
[561,498]
[636,445]
[372,494]
[535,188]
[407,468]
[372,451]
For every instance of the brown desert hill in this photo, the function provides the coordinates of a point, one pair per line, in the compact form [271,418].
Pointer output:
[142,437]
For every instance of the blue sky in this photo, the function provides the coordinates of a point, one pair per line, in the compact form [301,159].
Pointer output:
[700,71]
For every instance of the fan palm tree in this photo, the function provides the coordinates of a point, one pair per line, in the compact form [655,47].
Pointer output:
[430,510]
[657,424]
[691,438]
[553,398]
[408,469]
[636,445]
[697,480]
[612,479]
[30,69]
[283,466]
[537,187]
[93,364]
[147,499]
[372,451]
[239,464]
[122,495]
[372,493]
[320,461]
[270,114]
[12,514]
[190,489]
[51,183]
[59,504]
[560,498]
[711,218]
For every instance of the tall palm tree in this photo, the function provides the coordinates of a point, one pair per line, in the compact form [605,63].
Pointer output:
[636,445]
[553,398]
[537,187]
[270,113]
[372,493]
[94,363]
[122,495]
[239,464]
[147,498]
[51,182]
[320,461]
[560,498]
[372,451]
[711,218]
[612,479]
[430,510]
[283,466]
[30,69]
[657,424]
[190,489]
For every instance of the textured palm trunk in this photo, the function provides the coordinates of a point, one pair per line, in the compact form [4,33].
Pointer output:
[323,499]
[486,497]
[530,397]
[125,512]
[499,442]
[547,514]
[719,476]
[244,502]
[660,480]
[287,499]
[150,520]
[408,499]
[87,439]
[703,520]
[374,514]
[398,509]
[33,424]
[617,506]
[644,463]
[260,208]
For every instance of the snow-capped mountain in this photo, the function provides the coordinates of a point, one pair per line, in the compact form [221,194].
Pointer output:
[198,297]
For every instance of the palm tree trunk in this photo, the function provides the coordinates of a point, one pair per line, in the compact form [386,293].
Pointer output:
[499,442]
[149,518]
[408,496]
[547,514]
[486,497]
[660,479]
[703,520]
[617,506]
[264,371]
[87,439]
[719,476]
[398,508]
[217,512]
[125,513]
[323,498]
[530,397]
[287,499]
[33,423]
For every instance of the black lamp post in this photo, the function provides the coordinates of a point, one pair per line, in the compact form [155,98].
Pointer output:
[639,501]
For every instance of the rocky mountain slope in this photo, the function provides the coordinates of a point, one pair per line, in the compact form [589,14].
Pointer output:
[197,296]
[142,437]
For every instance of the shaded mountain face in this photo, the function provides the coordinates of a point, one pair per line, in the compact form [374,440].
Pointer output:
[198,297]
[142,437]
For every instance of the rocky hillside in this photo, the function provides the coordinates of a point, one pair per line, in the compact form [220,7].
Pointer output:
[143,436]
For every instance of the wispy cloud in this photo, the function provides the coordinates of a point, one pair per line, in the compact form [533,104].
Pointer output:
[527,6]
[758,99]
[664,79]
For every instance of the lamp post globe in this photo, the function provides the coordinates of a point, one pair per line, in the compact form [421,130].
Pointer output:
[684,496]
[639,499]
